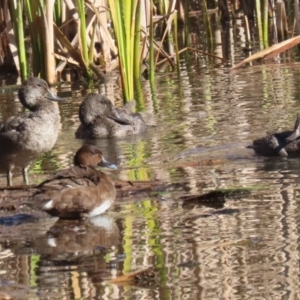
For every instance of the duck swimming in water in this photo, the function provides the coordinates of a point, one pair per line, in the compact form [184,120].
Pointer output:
[286,143]
[79,191]
[26,136]
[100,119]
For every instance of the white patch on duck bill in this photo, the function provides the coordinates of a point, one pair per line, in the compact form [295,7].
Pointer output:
[48,205]
[100,208]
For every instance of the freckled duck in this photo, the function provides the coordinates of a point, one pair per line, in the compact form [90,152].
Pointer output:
[79,191]
[286,143]
[26,136]
[100,119]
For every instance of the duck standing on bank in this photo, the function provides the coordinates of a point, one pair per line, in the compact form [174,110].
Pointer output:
[26,136]
[79,191]
[286,143]
[100,119]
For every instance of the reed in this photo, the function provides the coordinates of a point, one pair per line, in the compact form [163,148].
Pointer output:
[58,12]
[207,25]
[259,22]
[80,24]
[17,20]
[35,26]
[133,31]
[265,23]
[151,46]
[83,37]
[48,40]
[176,44]
[124,19]
[187,40]
[296,17]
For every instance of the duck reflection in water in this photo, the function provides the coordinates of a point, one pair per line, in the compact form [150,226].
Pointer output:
[73,239]
[25,137]
[100,119]
[286,143]
[80,191]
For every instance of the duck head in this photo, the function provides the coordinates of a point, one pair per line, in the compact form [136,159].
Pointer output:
[91,156]
[96,105]
[33,91]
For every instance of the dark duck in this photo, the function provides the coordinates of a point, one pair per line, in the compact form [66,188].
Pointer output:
[286,143]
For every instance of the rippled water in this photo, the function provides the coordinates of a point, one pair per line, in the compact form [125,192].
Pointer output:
[245,248]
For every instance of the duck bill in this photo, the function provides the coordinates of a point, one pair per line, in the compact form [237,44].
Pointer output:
[107,164]
[51,96]
[115,116]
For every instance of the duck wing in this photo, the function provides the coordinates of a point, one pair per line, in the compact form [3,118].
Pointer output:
[15,123]
[73,192]
[73,177]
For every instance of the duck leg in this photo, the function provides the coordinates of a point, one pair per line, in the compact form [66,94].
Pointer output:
[9,176]
[25,175]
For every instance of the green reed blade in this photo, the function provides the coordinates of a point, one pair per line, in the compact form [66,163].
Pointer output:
[16,9]
[83,35]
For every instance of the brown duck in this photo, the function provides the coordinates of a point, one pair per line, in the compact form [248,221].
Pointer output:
[80,191]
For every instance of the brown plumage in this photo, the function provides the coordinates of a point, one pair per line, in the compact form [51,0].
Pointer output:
[80,190]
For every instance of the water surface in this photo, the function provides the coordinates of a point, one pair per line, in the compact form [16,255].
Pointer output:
[245,248]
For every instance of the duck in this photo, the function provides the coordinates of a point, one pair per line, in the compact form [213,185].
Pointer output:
[26,136]
[284,144]
[78,192]
[100,119]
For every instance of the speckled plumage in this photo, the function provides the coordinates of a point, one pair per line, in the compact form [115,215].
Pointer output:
[100,119]
[26,136]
